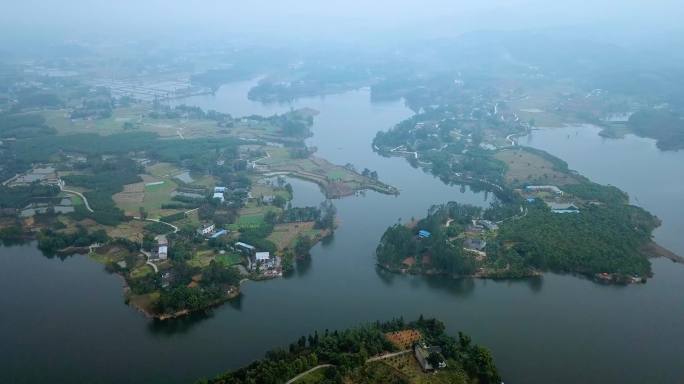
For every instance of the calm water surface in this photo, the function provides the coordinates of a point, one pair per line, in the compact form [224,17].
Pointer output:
[66,320]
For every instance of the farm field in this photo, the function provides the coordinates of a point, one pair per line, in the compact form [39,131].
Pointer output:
[284,235]
[228,259]
[156,189]
[60,120]
[202,258]
[525,167]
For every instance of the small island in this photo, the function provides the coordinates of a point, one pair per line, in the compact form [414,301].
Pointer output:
[389,352]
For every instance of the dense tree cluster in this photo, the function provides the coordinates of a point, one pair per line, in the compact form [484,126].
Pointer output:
[216,279]
[20,196]
[22,125]
[50,241]
[300,214]
[103,179]
[326,220]
[602,238]
[400,242]
[665,126]
[348,351]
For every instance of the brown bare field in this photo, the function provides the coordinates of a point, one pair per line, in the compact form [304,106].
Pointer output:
[525,167]
[404,339]
[130,230]
[131,196]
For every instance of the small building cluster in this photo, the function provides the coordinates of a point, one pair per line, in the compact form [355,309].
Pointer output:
[562,207]
[40,174]
[558,202]
[425,354]
[209,230]
[263,262]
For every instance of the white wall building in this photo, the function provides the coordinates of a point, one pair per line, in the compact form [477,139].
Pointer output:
[163,253]
[206,229]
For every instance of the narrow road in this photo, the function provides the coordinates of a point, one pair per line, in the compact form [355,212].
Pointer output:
[292,380]
[191,210]
[510,138]
[151,264]
[387,356]
[79,194]
[523,213]
[372,359]
[175,229]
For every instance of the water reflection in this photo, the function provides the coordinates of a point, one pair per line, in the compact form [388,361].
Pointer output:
[459,287]
[385,276]
[181,325]
[303,265]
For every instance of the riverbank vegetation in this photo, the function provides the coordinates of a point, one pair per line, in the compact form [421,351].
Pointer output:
[665,126]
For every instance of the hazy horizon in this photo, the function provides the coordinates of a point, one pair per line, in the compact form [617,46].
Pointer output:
[353,22]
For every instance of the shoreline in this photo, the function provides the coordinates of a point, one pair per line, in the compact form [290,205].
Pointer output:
[608,279]
[653,250]
[491,276]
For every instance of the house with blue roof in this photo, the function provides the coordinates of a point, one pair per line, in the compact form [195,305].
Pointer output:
[423,234]
[219,233]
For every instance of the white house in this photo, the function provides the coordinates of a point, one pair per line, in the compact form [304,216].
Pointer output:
[163,253]
[262,259]
[262,256]
[206,229]
[218,195]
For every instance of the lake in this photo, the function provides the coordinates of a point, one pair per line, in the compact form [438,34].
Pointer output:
[66,320]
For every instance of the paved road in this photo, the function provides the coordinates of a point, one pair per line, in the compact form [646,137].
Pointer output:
[79,194]
[151,264]
[510,138]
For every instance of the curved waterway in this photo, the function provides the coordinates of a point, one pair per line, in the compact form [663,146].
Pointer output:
[66,321]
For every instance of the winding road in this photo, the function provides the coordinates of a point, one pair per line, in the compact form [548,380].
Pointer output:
[79,194]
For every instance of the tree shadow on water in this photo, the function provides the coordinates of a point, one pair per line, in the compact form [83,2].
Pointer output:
[185,324]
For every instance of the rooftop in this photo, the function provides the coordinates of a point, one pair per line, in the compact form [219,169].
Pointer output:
[262,256]
[244,245]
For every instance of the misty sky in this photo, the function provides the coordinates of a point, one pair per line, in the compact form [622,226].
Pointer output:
[313,19]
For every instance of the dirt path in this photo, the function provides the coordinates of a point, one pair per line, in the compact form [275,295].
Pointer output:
[175,229]
[292,380]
